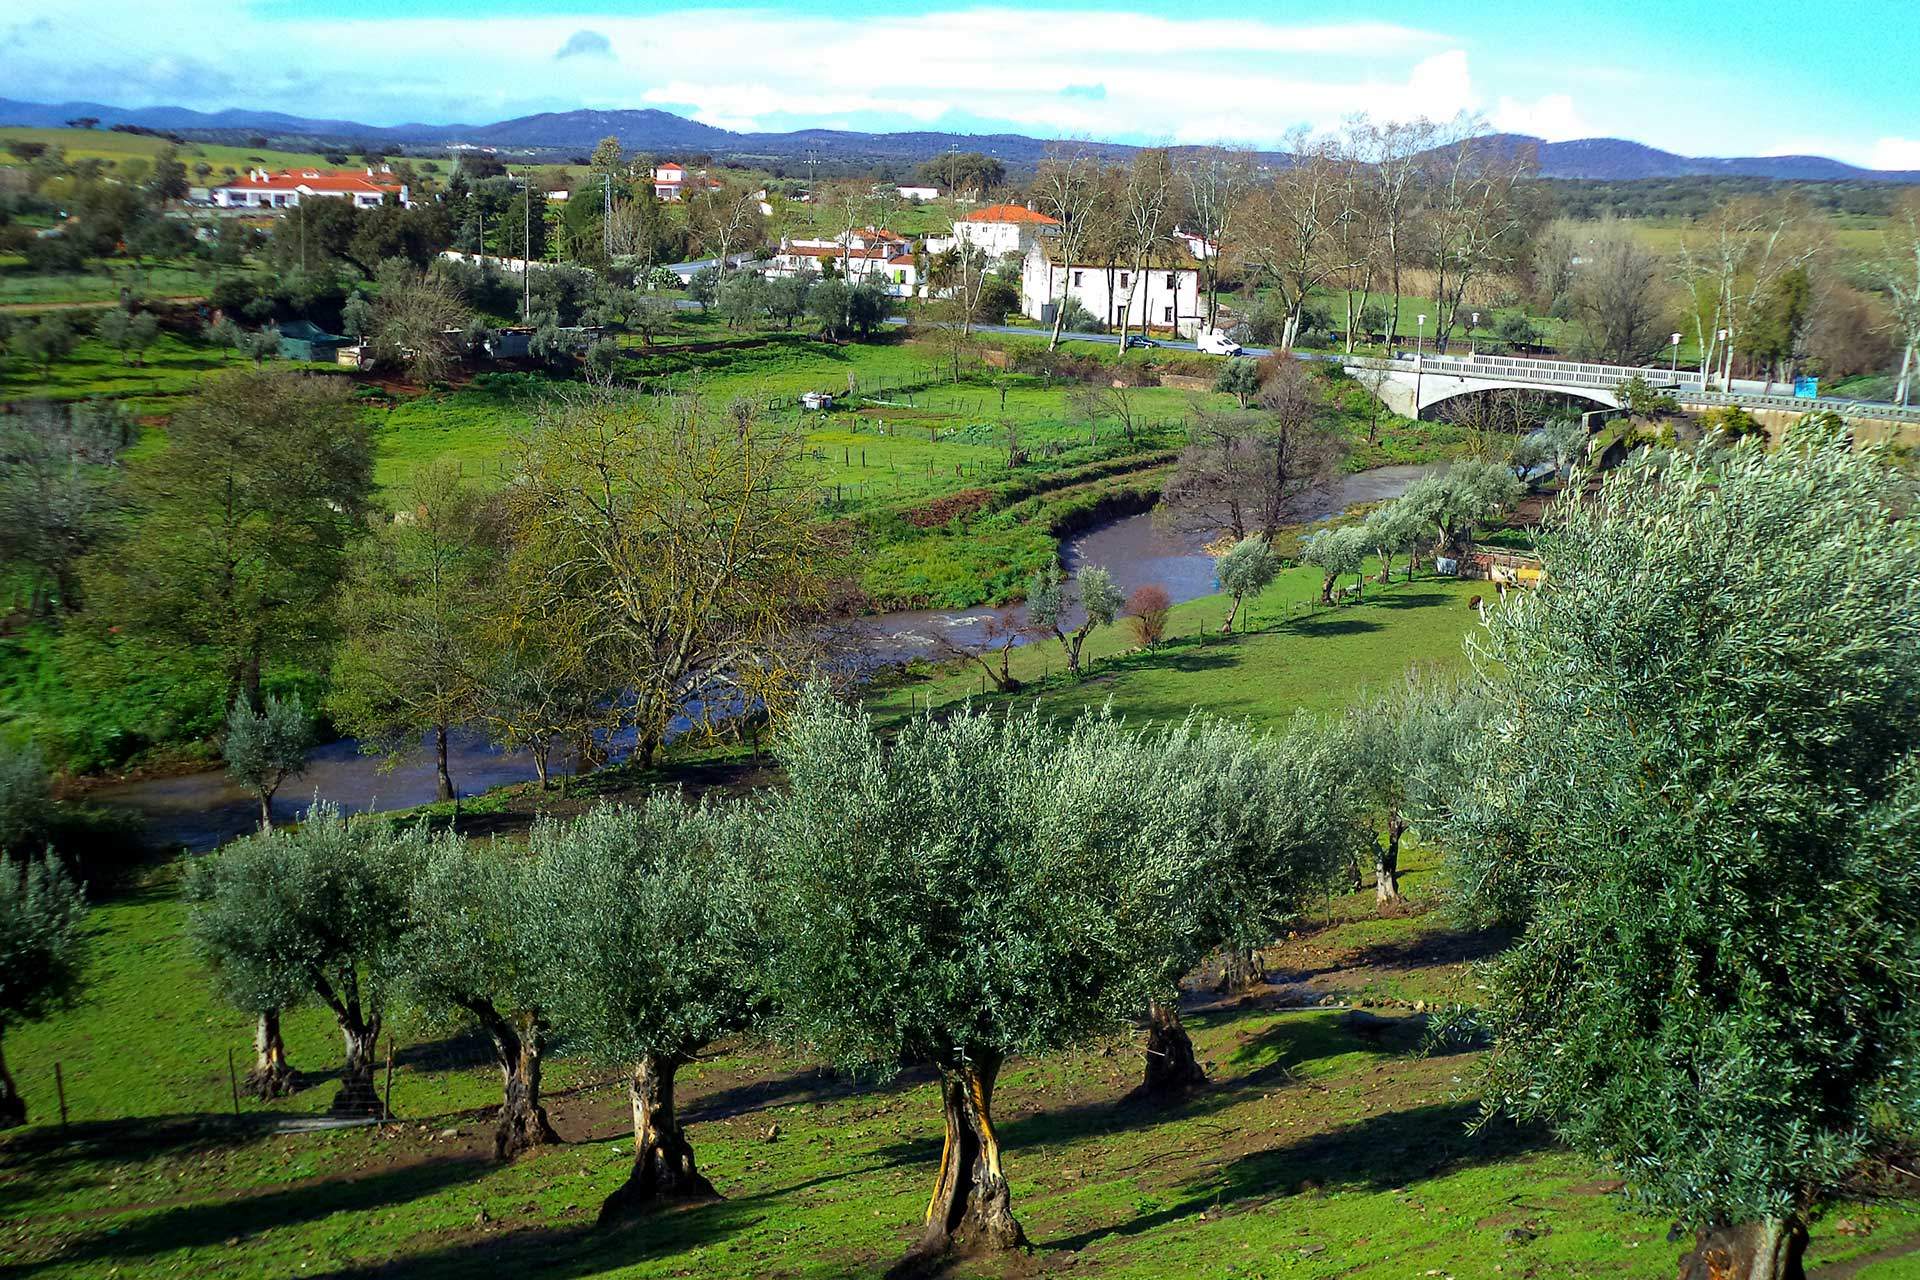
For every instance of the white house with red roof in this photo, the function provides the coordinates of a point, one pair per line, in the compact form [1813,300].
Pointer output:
[672,181]
[998,230]
[261,189]
[890,262]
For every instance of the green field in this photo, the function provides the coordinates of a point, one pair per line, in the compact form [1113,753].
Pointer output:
[118,148]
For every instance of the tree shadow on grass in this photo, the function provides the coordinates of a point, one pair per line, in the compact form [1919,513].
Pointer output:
[582,1250]
[1302,1040]
[1446,946]
[1378,1153]
[198,1226]
[46,1158]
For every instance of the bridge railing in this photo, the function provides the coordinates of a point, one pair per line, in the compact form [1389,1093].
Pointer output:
[1598,377]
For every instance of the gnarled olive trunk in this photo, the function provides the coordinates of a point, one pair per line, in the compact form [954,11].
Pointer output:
[272,1076]
[1386,861]
[358,1096]
[13,1108]
[443,781]
[971,1210]
[663,1167]
[1765,1249]
[517,1045]
[1172,1068]
[1240,968]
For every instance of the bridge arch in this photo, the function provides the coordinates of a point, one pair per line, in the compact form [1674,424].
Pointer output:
[1439,390]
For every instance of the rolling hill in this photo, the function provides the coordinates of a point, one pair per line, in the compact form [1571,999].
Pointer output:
[1612,159]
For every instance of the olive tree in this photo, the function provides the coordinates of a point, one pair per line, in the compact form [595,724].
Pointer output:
[470,959]
[266,747]
[1245,569]
[320,910]
[1714,990]
[1458,500]
[1052,598]
[644,940]
[1243,829]
[1334,552]
[42,950]
[964,892]
[1403,751]
[1390,529]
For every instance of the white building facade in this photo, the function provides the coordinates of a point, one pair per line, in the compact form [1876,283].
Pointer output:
[998,230]
[1159,297]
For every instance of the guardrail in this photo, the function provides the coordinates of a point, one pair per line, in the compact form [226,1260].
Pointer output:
[1567,373]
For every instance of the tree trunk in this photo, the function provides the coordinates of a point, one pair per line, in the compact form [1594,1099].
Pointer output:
[443,781]
[540,765]
[1326,588]
[272,1076]
[1386,862]
[971,1210]
[266,809]
[1765,1249]
[1226,628]
[13,1108]
[1240,968]
[1172,1069]
[523,1120]
[663,1167]
[357,1096]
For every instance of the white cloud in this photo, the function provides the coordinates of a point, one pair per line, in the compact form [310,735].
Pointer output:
[1553,117]
[1204,79]
[1895,153]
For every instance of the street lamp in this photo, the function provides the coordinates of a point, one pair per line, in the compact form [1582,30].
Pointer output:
[1675,344]
[1473,349]
[1419,362]
[1726,363]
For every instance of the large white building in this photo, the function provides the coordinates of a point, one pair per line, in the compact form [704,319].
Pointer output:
[285,189]
[1161,297]
[998,230]
[672,182]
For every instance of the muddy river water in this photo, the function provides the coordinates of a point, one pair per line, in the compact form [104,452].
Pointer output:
[201,810]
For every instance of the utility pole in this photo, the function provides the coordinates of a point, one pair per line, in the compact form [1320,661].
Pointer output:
[606,216]
[526,251]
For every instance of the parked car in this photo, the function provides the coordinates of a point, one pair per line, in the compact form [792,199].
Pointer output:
[1137,343]
[1216,343]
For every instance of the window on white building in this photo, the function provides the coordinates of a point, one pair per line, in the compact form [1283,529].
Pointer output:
[1173,281]
[1166,315]
[1126,278]
[1076,279]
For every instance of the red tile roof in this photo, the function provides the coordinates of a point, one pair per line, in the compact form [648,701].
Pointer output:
[1010,213]
[317,180]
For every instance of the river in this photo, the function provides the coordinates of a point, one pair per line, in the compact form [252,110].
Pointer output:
[202,810]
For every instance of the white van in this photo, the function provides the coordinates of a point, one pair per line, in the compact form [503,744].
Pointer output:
[1214,342]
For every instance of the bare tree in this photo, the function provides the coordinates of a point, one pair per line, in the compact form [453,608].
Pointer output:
[1393,152]
[1068,189]
[1733,261]
[1354,248]
[1287,227]
[724,219]
[1247,474]
[1897,273]
[1145,219]
[1620,297]
[1475,216]
[1215,184]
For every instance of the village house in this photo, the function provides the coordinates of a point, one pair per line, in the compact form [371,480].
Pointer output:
[998,230]
[889,261]
[285,189]
[1166,295]
[672,181]
[918,195]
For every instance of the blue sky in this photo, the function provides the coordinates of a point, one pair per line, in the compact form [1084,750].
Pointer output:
[1753,77]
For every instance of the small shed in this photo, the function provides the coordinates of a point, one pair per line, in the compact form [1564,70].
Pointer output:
[300,340]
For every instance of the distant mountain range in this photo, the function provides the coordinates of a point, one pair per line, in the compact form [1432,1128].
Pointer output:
[1613,159]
